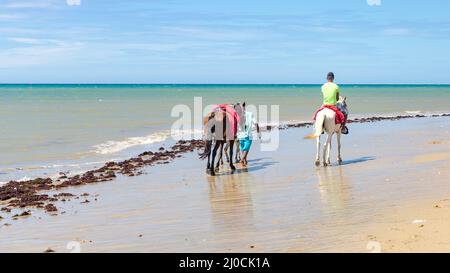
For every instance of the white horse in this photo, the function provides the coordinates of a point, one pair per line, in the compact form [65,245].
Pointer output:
[325,121]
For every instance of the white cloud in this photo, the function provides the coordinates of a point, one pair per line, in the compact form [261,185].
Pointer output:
[24,40]
[27,5]
[73,2]
[11,17]
[397,31]
[214,34]
[41,52]
[34,41]
[374,2]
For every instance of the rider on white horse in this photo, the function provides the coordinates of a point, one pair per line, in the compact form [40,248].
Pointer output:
[330,118]
[330,92]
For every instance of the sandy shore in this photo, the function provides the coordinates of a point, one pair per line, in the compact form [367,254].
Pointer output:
[391,194]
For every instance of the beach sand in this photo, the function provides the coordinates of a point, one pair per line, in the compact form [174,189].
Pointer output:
[391,195]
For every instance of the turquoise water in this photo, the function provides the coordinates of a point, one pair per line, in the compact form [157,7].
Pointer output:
[49,128]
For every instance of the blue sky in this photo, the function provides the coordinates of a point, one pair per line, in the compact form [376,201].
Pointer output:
[232,41]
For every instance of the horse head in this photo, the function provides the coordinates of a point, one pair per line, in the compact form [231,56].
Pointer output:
[239,108]
[342,105]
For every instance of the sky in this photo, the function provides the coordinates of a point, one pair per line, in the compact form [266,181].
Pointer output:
[232,41]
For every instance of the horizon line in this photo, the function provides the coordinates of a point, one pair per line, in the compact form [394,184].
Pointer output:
[221,83]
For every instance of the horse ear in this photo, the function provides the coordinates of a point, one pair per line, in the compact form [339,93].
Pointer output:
[243,104]
[345,98]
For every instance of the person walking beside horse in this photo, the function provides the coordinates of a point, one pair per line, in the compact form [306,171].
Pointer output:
[245,126]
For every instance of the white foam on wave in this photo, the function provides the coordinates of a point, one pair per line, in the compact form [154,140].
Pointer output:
[112,146]
[52,171]
[25,178]
[58,166]
[413,112]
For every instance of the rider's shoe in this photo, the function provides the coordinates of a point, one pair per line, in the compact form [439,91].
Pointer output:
[344,130]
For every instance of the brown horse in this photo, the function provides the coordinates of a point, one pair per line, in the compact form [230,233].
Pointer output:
[220,129]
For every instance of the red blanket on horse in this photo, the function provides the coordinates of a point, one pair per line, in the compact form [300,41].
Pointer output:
[232,116]
[340,118]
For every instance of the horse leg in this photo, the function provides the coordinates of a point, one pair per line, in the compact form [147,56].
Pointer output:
[213,157]
[326,150]
[339,159]
[318,151]
[231,155]
[227,146]
[220,157]
[208,165]
[238,152]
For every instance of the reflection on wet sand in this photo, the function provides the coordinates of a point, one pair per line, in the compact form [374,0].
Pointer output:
[334,188]
[279,203]
[231,201]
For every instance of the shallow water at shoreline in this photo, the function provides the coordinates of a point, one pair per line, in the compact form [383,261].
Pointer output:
[282,202]
[50,128]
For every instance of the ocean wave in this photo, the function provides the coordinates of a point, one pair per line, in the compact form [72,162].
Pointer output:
[111,146]
[24,178]
[413,112]
[51,171]
[57,166]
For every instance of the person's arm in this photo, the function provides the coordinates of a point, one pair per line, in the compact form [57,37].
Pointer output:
[257,128]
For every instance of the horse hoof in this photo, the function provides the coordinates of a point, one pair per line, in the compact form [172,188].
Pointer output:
[208,171]
[216,170]
[326,164]
[212,173]
[233,168]
[317,163]
[340,161]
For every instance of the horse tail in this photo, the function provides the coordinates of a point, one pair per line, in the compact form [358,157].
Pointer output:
[318,126]
[206,151]
[208,130]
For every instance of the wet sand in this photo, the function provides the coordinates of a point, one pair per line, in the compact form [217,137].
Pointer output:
[394,172]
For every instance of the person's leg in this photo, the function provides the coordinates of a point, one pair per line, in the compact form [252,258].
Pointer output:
[241,148]
[247,146]
[244,158]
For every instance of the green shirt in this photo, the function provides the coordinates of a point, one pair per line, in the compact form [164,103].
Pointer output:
[329,91]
